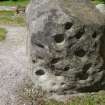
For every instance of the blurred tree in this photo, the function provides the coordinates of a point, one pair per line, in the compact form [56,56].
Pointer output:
[100,0]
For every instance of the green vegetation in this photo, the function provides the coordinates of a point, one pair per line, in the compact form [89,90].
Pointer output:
[98,1]
[14,3]
[7,13]
[10,18]
[101,1]
[2,34]
[98,99]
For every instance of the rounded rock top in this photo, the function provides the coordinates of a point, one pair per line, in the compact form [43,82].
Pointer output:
[101,8]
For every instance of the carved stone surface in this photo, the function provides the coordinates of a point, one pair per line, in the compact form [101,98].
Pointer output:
[66,45]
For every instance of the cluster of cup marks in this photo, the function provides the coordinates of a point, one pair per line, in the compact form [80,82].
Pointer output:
[59,38]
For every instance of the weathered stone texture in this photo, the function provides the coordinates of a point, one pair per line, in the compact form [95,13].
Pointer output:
[66,40]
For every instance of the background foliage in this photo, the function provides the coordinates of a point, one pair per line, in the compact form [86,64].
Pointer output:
[99,1]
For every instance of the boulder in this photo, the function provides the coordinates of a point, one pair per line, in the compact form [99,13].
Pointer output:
[101,8]
[66,46]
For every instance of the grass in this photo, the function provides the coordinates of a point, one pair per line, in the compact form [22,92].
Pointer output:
[10,18]
[96,99]
[14,3]
[2,34]
[6,13]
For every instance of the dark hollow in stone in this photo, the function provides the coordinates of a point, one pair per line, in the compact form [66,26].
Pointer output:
[40,72]
[62,83]
[68,25]
[80,33]
[66,68]
[80,52]
[33,61]
[52,91]
[39,45]
[54,60]
[40,57]
[59,38]
[82,76]
[86,67]
[94,35]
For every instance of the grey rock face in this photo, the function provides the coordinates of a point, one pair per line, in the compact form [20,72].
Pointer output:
[66,45]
